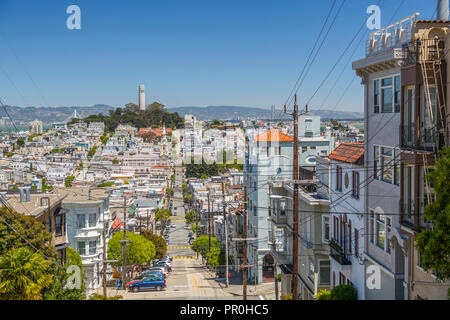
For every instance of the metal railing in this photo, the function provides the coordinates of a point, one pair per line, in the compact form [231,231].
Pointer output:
[423,50]
[337,253]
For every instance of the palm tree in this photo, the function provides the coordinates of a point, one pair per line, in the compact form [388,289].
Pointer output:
[23,274]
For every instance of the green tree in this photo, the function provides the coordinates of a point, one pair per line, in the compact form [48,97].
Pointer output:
[323,295]
[115,161]
[434,244]
[24,273]
[27,231]
[139,250]
[68,181]
[344,292]
[159,242]
[56,290]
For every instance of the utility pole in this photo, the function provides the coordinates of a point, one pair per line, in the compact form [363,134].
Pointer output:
[244,267]
[295,178]
[274,247]
[104,255]
[124,244]
[209,220]
[225,224]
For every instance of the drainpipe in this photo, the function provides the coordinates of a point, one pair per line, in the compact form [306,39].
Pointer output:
[442,10]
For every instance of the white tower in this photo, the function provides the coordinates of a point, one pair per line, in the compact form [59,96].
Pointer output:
[142,97]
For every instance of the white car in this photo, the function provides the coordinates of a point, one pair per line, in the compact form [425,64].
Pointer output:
[163,270]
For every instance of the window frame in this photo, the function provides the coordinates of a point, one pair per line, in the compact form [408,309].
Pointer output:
[83,224]
[320,262]
[379,89]
[355,184]
[324,229]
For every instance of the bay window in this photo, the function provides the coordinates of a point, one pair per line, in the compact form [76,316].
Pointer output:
[387,94]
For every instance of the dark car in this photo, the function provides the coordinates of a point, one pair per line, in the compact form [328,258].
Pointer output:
[156,283]
[147,274]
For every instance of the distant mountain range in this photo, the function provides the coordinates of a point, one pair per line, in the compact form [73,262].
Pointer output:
[58,114]
[52,114]
[233,112]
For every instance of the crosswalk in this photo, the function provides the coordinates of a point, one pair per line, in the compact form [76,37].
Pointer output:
[178,247]
[183,257]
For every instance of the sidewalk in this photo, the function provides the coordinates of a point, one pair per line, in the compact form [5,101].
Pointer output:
[235,288]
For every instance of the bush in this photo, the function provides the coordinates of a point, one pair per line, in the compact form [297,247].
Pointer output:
[287,296]
[344,292]
[323,295]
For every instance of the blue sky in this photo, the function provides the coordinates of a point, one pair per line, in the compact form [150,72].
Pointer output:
[198,52]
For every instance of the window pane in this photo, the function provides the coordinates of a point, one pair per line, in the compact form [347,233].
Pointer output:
[380,232]
[386,164]
[387,100]
[92,247]
[324,273]
[282,207]
[92,220]
[376,161]
[81,222]
[81,248]
[377,93]
[397,94]
[386,82]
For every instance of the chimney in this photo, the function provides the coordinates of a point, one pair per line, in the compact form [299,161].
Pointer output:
[27,194]
[22,195]
[442,10]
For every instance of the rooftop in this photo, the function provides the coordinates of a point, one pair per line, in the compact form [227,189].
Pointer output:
[274,135]
[349,153]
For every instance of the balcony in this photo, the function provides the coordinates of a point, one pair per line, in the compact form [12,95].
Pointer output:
[337,253]
[426,141]
[423,50]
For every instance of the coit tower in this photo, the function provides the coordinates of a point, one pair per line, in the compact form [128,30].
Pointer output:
[142,97]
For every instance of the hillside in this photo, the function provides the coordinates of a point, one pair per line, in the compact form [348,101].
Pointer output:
[233,112]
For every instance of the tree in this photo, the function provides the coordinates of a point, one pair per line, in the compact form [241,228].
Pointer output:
[323,295]
[434,244]
[139,250]
[68,181]
[158,241]
[162,215]
[344,292]
[24,273]
[115,161]
[56,290]
[27,231]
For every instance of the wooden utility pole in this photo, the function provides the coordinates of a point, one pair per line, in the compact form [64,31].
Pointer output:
[209,220]
[124,244]
[244,267]
[274,247]
[225,225]
[295,178]
[104,256]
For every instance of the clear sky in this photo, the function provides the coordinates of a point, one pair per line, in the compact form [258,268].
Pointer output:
[186,53]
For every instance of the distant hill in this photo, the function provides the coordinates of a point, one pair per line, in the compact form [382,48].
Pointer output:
[234,112]
[50,115]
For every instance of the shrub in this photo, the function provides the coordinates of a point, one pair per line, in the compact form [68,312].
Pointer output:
[97,296]
[344,292]
[323,295]
[287,296]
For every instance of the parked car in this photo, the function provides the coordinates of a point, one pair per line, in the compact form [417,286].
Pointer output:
[156,283]
[147,274]
[163,270]
[164,265]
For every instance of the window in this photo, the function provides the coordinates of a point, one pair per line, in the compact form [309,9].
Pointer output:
[355,184]
[356,242]
[325,229]
[81,249]
[313,148]
[339,178]
[376,152]
[58,225]
[372,226]
[386,95]
[277,151]
[386,164]
[376,102]
[81,221]
[92,247]
[397,167]
[380,231]
[92,220]
[324,272]
[283,207]
[304,149]
[397,93]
